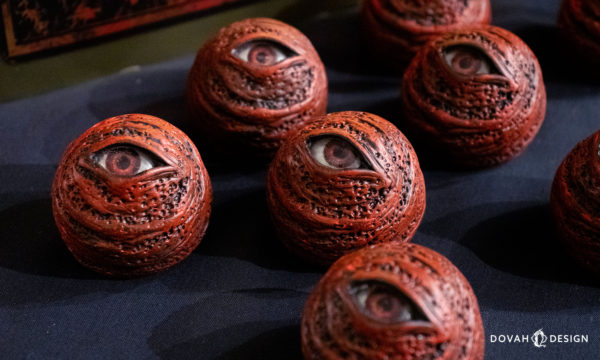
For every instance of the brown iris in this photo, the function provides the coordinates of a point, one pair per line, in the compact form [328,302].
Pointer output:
[262,54]
[466,62]
[384,306]
[383,302]
[339,153]
[123,161]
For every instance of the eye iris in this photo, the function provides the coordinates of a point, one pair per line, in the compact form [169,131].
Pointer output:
[123,162]
[262,54]
[384,306]
[339,154]
[466,62]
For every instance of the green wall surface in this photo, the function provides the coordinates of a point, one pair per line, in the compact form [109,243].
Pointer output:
[64,67]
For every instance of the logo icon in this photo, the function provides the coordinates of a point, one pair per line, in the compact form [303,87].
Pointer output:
[539,339]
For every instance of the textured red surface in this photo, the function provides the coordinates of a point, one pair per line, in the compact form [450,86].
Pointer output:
[321,212]
[122,223]
[396,29]
[484,114]
[238,102]
[392,301]
[579,22]
[575,200]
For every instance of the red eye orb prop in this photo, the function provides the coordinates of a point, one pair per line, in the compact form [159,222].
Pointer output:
[575,200]
[254,83]
[579,23]
[392,301]
[345,181]
[475,97]
[396,29]
[131,196]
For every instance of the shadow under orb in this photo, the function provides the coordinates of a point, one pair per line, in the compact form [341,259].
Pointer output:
[524,243]
[242,228]
[31,243]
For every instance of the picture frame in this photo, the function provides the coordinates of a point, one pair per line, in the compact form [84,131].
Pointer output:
[34,25]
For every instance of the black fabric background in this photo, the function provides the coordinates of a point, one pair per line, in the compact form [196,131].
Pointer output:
[240,294]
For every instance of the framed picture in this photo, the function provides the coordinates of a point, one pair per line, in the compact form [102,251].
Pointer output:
[34,25]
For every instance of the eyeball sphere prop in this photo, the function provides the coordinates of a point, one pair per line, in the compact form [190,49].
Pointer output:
[579,23]
[345,181]
[254,83]
[392,301]
[131,196]
[575,201]
[396,29]
[475,96]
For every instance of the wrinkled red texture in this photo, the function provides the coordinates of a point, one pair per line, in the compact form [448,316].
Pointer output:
[334,326]
[132,225]
[579,23]
[396,29]
[575,201]
[238,104]
[478,120]
[322,213]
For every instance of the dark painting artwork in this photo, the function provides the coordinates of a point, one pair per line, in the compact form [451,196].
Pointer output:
[33,25]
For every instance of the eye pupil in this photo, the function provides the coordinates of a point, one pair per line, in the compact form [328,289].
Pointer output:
[465,62]
[385,304]
[261,57]
[123,162]
[340,152]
